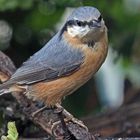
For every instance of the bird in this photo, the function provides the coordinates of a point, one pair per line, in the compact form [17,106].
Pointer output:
[73,55]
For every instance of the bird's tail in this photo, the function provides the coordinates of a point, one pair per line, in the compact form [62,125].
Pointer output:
[4,88]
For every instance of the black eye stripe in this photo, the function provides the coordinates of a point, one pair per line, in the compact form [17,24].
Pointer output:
[83,23]
[79,23]
[90,23]
[76,22]
[70,22]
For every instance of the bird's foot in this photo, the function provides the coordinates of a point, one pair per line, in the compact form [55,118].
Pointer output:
[38,111]
[80,123]
[70,117]
[59,112]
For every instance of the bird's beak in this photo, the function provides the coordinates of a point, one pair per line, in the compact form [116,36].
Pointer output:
[95,24]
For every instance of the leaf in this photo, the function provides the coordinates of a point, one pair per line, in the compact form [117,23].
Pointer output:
[12,132]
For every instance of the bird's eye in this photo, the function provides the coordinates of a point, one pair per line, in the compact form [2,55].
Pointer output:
[79,23]
[76,22]
[99,18]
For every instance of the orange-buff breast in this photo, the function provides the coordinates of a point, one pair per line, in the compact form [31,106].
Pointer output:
[52,92]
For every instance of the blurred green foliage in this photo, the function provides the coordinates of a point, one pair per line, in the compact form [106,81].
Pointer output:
[33,23]
[14,4]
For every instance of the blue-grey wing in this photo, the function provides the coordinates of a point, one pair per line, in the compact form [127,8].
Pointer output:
[56,59]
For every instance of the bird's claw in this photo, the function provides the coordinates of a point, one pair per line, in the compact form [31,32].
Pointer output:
[76,121]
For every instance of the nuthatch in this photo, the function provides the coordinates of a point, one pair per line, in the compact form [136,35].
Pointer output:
[66,62]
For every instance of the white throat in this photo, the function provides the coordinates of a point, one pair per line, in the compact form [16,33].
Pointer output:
[78,31]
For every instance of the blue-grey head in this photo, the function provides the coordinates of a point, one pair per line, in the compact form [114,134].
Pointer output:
[85,23]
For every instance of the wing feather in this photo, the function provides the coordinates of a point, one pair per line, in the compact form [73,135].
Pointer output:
[56,59]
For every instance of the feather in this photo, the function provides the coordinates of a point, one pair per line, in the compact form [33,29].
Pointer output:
[56,59]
